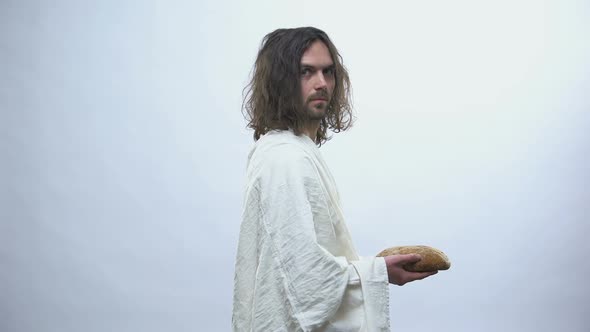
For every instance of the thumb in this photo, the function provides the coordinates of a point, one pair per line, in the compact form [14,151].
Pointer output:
[409,258]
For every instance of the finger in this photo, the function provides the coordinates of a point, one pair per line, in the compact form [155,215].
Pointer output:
[422,275]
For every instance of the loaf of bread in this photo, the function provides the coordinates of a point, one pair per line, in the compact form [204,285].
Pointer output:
[432,259]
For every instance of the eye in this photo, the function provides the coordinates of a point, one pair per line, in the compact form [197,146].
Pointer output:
[305,71]
[329,71]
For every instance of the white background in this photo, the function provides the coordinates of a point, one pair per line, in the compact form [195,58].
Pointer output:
[123,157]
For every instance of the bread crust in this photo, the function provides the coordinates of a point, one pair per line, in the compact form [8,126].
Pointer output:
[432,258]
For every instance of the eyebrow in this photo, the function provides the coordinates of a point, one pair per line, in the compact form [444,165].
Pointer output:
[303,65]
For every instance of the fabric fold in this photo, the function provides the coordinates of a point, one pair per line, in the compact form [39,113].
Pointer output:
[375,284]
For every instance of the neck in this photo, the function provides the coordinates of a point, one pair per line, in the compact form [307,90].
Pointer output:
[311,129]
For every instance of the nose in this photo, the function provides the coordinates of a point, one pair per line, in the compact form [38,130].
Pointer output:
[320,82]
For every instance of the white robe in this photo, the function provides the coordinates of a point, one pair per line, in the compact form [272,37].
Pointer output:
[296,267]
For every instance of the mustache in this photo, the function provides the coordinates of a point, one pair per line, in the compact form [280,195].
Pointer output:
[322,94]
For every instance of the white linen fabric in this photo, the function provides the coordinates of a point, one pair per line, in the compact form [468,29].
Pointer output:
[296,267]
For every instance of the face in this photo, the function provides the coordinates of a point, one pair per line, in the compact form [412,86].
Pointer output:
[317,80]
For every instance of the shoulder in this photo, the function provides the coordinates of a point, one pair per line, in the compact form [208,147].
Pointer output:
[281,155]
[280,147]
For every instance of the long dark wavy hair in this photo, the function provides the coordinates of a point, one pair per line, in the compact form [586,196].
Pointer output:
[273,97]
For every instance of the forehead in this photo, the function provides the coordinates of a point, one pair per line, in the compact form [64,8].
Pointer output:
[317,55]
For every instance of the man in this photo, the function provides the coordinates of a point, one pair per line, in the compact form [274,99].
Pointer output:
[296,266]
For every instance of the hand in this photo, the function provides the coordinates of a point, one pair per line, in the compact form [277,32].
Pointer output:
[398,275]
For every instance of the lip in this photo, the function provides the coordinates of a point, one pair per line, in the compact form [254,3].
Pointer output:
[319,99]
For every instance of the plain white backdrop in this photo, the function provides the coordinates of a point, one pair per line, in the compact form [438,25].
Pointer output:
[124,151]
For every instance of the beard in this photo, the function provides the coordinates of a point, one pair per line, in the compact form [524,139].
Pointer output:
[317,109]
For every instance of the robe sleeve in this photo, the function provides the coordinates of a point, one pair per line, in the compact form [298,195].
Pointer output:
[316,285]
